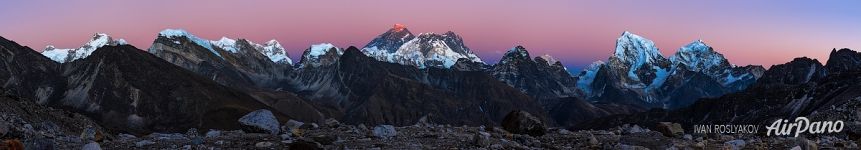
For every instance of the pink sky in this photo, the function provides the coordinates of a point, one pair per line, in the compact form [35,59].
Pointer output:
[577,32]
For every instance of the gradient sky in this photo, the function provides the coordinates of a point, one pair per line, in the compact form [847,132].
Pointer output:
[762,32]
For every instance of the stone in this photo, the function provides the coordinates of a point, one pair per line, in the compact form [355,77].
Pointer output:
[423,122]
[143,143]
[309,126]
[796,148]
[293,124]
[126,137]
[332,123]
[688,137]
[89,134]
[628,129]
[29,128]
[805,143]
[263,144]
[213,133]
[521,122]
[12,144]
[670,129]
[297,132]
[735,144]
[564,132]
[385,131]
[99,136]
[593,141]
[362,128]
[92,146]
[260,121]
[481,139]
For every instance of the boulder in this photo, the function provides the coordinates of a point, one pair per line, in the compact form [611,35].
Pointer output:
[670,129]
[309,126]
[735,144]
[213,133]
[88,135]
[332,123]
[260,121]
[12,144]
[126,137]
[92,146]
[521,122]
[385,131]
[293,124]
[805,143]
[424,122]
[482,139]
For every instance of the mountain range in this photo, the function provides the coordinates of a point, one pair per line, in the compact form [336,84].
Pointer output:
[802,87]
[184,81]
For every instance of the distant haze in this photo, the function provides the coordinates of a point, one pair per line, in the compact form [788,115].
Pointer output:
[576,32]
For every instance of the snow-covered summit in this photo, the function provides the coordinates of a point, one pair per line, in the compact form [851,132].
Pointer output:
[179,33]
[382,46]
[68,55]
[433,50]
[633,53]
[636,50]
[398,45]
[226,43]
[320,55]
[550,59]
[275,52]
[699,56]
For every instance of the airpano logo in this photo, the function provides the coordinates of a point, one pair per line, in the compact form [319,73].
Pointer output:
[782,127]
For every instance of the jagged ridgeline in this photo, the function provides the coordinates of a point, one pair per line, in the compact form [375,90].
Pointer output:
[397,78]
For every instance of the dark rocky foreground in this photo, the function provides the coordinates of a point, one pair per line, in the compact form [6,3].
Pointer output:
[35,126]
[447,137]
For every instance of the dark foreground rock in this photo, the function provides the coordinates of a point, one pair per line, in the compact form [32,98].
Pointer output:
[521,122]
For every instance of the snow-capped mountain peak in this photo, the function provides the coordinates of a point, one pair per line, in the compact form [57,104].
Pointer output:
[434,50]
[399,27]
[226,43]
[320,55]
[69,55]
[275,52]
[699,56]
[636,53]
[696,45]
[398,45]
[518,50]
[632,48]
[550,59]
[179,33]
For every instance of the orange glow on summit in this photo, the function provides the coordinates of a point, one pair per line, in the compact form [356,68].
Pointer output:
[399,27]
